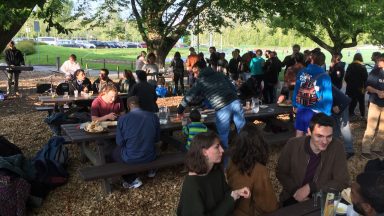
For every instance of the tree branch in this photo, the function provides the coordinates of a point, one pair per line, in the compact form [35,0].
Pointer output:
[139,20]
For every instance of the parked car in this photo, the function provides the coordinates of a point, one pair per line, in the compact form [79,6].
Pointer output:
[99,44]
[67,43]
[85,44]
[48,40]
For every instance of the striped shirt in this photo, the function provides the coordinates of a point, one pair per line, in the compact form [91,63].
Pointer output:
[191,130]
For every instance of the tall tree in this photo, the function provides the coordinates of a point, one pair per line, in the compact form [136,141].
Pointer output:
[333,25]
[13,15]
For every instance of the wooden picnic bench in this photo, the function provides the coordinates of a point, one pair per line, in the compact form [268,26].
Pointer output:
[102,170]
[110,170]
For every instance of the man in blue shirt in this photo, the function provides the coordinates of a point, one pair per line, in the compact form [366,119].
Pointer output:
[136,135]
[312,93]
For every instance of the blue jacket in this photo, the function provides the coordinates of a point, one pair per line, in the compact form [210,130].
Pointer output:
[323,85]
[137,132]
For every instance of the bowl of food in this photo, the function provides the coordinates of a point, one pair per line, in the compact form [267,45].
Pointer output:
[341,208]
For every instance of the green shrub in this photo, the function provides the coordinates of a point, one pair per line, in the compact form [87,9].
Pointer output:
[27,47]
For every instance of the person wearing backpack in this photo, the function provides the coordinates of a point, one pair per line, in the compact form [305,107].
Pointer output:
[312,93]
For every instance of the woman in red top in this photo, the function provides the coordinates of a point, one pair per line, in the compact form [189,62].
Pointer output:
[107,106]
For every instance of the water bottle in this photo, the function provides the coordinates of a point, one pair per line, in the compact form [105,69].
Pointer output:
[255,105]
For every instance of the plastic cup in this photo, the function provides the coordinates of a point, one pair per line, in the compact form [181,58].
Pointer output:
[66,95]
[76,92]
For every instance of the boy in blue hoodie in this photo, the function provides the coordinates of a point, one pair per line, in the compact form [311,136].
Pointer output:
[312,93]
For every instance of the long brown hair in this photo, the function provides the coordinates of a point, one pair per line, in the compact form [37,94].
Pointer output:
[195,160]
[249,148]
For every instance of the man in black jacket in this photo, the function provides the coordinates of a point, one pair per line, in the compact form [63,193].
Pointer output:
[145,92]
[221,94]
[336,70]
[13,57]
[272,69]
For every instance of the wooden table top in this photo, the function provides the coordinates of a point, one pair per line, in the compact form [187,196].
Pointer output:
[75,134]
[70,98]
[299,209]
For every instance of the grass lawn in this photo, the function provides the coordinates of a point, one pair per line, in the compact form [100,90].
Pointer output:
[47,55]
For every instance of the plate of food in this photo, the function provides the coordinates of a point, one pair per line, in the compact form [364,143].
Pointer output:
[93,127]
[341,208]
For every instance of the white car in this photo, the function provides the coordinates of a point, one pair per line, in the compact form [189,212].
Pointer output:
[85,44]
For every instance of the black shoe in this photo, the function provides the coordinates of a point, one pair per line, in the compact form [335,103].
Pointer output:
[349,155]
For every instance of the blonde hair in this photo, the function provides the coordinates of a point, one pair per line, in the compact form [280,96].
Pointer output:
[108,88]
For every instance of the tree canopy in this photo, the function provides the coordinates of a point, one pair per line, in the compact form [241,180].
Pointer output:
[340,22]
[13,15]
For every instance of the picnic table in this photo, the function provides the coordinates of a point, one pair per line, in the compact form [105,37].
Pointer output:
[306,208]
[71,98]
[102,140]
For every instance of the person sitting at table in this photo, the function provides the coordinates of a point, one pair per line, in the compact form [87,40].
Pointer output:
[102,81]
[367,194]
[194,127]
[81,83]
[150,66]
[107,106]
[127,82]
[222,95]
[145,92]
[205,190]
[310,163]
[69,67]
[136,135]
[248,168]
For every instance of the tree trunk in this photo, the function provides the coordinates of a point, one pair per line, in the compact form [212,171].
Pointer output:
[7,35]
[161,48]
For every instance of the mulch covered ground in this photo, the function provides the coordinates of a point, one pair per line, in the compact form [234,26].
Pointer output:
[24,126]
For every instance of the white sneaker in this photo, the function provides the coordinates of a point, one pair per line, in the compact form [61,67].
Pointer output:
[135,184]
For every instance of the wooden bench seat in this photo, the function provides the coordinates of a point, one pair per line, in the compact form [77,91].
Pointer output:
[110,170]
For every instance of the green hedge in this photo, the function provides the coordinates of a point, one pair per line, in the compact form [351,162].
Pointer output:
[27,47]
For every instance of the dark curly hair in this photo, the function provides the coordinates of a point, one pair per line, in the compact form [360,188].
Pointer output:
[195,161]
[248,149]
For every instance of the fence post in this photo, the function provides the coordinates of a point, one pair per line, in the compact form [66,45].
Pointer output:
[81,61]
[47,59]
[104,63]
[118,72]
[25,57]
[58,63]
[132,68]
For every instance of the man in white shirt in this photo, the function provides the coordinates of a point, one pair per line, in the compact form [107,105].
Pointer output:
[69,67]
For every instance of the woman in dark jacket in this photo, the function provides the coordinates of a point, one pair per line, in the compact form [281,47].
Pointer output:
[81,83]
[356,77]
[178,72]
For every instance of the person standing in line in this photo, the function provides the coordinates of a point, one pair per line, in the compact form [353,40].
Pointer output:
[234,66]
[178,73]
[140,61]
[271,78]
[373,141]
[69,67]
[191,60]
[356,78]
[336,70]
[256,67]
[289,60]
[13,57]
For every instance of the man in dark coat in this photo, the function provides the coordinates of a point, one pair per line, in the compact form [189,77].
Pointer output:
[13,57]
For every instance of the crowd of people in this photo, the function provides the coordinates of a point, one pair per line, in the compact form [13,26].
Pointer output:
[229,176]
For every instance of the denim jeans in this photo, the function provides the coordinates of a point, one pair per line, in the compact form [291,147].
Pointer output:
[342,129]
[234,111]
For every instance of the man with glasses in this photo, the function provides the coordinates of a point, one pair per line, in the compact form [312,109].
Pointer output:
[310,163]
